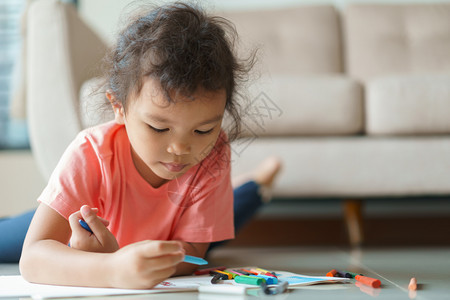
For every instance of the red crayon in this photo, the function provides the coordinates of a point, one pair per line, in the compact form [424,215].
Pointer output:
[375,283]
[250,272]
[268,274]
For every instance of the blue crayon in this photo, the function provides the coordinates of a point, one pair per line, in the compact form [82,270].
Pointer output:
[269,279]
[194,260]
[85,225]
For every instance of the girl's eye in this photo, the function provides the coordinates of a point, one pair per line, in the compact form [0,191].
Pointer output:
[158,129]
[204,132]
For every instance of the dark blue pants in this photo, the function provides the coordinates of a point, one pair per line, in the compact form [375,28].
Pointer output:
[13,230]
[12,234]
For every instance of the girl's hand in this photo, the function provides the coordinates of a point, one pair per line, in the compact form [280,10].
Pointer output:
[144,264]
[101,240]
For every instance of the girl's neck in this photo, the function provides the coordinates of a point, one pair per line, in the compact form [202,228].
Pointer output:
[147,174]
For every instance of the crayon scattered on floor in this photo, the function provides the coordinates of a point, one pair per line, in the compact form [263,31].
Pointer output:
[375,283]
[332,273]
[412,284]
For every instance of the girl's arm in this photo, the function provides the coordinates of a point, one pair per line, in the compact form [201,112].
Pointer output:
[46,258]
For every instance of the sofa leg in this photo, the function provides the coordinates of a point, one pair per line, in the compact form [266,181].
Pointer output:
[354,221]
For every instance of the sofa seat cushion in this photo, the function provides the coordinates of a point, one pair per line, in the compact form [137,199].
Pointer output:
[297,105]
[358,166]
[413,104]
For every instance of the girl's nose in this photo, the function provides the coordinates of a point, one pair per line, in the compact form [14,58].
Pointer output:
[178,148]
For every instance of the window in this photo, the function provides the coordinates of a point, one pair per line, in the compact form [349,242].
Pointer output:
[13,132]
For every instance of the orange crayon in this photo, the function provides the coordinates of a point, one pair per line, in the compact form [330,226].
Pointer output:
[375,283]
[332,273]
[412,284]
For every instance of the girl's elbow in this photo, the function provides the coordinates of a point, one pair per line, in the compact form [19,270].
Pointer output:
[24,267]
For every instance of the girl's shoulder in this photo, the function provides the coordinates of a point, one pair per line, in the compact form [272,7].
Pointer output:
[102,131]
[103,138]
[220,156]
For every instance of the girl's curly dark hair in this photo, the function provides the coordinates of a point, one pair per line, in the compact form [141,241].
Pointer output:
[184,49]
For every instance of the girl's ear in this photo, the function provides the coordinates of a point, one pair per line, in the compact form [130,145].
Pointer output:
[119,115]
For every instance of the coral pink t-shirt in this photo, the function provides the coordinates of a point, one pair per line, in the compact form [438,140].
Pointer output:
[97,169]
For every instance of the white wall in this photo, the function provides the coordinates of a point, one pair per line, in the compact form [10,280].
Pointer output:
[104,15]
[20,182]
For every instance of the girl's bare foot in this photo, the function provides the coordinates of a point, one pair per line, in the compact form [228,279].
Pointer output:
[267,171]
[264,174]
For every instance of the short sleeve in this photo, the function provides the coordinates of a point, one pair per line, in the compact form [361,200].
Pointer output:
[209,217]
[76,179]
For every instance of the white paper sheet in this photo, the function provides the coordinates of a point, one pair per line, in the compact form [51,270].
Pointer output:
[16,286]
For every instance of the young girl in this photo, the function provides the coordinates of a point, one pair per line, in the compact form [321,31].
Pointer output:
[154,184]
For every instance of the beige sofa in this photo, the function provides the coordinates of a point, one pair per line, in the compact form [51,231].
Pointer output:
[356,101]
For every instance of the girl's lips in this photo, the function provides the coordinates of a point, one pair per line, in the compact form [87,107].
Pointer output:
[174,167]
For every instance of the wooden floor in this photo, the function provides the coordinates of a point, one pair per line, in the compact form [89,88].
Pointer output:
[394,267]
[386,231]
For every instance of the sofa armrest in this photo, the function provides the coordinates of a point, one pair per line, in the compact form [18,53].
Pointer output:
[61,54]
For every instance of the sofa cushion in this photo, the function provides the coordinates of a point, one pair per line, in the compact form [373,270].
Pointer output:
[388,39]
[296,105]
[414,104]
[325,105]
[297,40]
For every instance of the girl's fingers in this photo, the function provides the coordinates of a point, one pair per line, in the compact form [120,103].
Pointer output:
[162,266]
[75,225]
[98,239]
[76,216]
[95,223]
[150,249]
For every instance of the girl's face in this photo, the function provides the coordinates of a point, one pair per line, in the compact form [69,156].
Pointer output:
[169,138]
